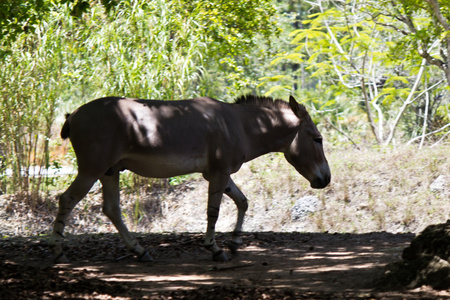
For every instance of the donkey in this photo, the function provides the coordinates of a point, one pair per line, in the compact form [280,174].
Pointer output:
[162,139]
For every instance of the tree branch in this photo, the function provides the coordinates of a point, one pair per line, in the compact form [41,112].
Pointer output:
[423,52]
[437,13]
[404,32]
[442,20]
[429,133]
[425,118]
[342,132]
[369,112]
[406,103]
[441,139]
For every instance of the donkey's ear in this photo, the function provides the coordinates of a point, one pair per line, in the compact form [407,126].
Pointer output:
[298,109]
[294,106]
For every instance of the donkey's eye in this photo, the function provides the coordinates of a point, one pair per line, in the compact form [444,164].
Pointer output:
[318,140]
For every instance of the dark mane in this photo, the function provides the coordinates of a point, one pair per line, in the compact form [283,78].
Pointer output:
[262,101]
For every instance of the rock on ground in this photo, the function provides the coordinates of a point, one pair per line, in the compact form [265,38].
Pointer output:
[425,262]
[439,184]
[303,207]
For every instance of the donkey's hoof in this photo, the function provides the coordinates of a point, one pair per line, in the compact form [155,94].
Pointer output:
[220,256]
[233,246]
[145,257]
[61,259]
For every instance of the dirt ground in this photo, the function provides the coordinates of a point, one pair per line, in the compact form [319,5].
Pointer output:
[268,266]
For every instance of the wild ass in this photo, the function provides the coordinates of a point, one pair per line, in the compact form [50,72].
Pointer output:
[168,138]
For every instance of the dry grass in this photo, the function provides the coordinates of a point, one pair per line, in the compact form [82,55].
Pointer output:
[371,190]
[385,191]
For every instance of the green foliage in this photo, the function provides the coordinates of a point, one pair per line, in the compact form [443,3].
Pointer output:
[232,26]
[56,55]
[29,101]
[350,56]
[19,16]
[153,53]
[443,112]
[240,35]
[349,61]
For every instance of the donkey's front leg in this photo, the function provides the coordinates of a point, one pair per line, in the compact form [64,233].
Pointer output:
[217,184]
[111,208]
[242,205]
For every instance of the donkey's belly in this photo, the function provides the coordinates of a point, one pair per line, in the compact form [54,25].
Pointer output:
[163,166]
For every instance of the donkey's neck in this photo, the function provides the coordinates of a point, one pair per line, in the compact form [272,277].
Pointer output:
[268,130]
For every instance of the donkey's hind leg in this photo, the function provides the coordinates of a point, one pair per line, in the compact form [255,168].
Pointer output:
[111,208]
[242,205]
[67,201]
[217,185]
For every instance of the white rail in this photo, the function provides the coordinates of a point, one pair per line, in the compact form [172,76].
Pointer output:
[38,171]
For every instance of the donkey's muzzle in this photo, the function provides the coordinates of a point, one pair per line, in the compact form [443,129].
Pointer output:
[321,182]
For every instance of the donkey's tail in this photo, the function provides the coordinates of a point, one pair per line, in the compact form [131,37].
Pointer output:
[65,130]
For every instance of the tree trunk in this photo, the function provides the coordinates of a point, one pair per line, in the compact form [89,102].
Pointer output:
[369,112]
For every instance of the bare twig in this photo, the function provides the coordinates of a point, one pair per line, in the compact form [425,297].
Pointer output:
[429,133]
[424,128]
[440,140]
[427,89]
[369,112]
[406,103]
[438,14]
[410,98]
[343,133]
[218,268]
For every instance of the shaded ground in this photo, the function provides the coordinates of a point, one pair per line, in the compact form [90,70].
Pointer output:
[269,266]
[424,262]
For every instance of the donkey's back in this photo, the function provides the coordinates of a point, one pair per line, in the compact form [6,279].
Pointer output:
[150,137]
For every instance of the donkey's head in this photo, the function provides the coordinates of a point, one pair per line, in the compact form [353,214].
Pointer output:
[305,152]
